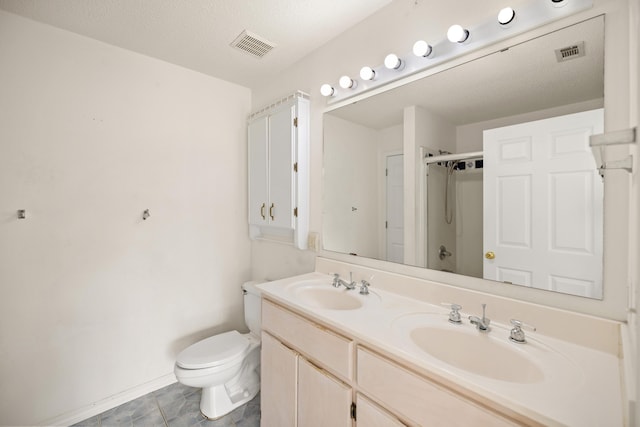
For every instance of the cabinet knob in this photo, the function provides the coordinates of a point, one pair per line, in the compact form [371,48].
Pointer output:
[271,212]
[490,255]
[262,211]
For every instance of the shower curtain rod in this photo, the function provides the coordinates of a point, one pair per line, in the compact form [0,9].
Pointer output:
[447,157]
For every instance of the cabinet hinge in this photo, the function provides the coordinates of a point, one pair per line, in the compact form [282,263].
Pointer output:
[353,411]
[295,212]
[295,121]
[295,167]
[386,224]
[386,172]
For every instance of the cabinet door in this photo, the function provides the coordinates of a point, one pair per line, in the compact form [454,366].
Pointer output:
[258,163]
[322,400]
[371,415]
[281,176]
[278,389]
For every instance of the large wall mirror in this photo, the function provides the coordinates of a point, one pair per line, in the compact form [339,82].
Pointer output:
[481,170]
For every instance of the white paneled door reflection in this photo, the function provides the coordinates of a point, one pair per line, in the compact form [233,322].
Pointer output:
[543,205]
[395,208]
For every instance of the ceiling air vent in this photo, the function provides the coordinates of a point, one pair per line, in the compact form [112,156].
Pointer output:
[252,44]
[570,52]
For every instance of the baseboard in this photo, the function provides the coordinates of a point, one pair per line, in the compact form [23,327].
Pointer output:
[95,408]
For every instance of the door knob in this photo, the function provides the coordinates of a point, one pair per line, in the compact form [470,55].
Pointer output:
[489,255]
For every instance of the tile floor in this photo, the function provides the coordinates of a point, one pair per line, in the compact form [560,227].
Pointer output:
[173,406]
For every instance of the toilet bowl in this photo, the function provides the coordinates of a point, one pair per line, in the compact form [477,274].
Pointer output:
[226,366]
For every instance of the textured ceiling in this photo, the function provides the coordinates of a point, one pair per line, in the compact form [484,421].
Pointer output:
[196,33]
[525,78]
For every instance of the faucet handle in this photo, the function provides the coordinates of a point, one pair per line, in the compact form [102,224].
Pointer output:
[517,334]
[454,315]
[364,287]
[336,278]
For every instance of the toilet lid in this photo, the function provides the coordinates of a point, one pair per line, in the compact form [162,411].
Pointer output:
[213,351]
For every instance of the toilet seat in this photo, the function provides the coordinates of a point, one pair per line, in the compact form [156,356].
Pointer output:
[213,351]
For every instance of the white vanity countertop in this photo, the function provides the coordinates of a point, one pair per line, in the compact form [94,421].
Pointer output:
[581,386]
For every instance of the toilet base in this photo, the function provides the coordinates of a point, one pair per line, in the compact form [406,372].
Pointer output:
[218,401]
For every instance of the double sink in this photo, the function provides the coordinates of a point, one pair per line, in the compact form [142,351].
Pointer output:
[557,382]
[429,334]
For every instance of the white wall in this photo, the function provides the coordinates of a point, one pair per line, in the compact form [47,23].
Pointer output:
[95,301]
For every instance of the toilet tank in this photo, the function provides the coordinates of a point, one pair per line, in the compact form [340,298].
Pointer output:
[252,307]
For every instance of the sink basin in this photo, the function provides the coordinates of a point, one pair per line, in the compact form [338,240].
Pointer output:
[476,352]
[320,294]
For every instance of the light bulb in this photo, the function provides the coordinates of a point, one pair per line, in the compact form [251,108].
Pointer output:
[506,16]
[457,34]
[367,73]
[327,90]
[422,48]
[347,82]
[392,62]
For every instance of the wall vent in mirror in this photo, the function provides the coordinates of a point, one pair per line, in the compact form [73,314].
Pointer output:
[570,52]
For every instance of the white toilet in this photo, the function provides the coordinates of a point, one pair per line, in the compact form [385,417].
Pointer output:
[226,366]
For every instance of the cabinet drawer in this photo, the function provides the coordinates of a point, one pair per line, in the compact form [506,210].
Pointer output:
[331,351]
[417,398]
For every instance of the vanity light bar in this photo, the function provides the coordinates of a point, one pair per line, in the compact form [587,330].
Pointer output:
[504,24]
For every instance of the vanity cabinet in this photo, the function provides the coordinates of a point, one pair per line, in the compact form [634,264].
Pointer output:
[278,153]
[311,374]
[297,388]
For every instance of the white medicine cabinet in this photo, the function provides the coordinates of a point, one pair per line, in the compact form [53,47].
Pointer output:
[278,151]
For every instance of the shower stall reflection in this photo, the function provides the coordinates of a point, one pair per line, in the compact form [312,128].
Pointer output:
[454,213]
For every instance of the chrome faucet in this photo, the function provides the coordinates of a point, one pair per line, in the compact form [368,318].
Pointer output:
[337,281]
[481,324]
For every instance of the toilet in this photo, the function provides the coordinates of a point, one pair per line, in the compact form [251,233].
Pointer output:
[226,366]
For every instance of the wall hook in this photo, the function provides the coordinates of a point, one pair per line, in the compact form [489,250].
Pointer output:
[22,214]
[145,214]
